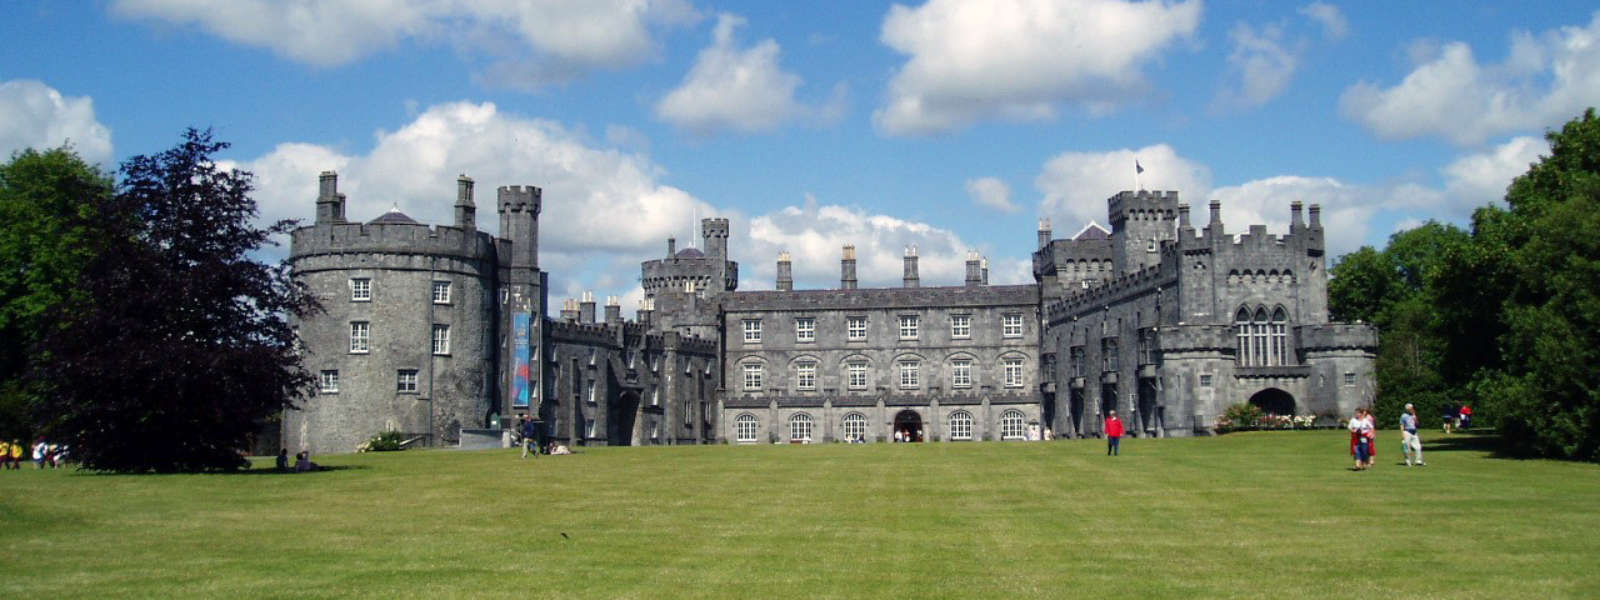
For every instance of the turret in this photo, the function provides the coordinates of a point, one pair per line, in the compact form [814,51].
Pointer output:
[847,267]
[519,222]
[785,272]
[911,278]
[466,209]
[715,232]
[1183,218]
[330,203]
[974,272]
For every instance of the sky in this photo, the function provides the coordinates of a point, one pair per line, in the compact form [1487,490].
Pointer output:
[948,125]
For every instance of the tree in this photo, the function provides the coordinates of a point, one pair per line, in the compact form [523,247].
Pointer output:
[1522,315]
[184,348]
[52,206]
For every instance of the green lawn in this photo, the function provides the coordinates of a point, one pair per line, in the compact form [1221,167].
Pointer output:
[1252,515]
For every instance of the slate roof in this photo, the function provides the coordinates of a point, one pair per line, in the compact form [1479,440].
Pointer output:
[393,216]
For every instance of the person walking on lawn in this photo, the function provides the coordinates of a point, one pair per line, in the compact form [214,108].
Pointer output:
[1410,442]
[1114,433]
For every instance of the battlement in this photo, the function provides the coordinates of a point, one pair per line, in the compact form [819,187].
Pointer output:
[574,332]
[1333,336]
[1113,291]
[390,238]
[1143,201]
[520,198]
[714,227]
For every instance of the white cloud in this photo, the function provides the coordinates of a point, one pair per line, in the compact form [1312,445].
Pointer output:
[971,60]
[1260,67]
[1077,184]
[992,193]
[35,115]
[1334,25]
[735,89]
[1479,179]
[414,168]
[814,235]
[534,41]
[1545,80]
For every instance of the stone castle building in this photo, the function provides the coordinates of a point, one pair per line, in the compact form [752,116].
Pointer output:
[435,330]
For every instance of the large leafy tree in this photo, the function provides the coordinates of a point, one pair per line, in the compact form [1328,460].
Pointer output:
[184,349]
[1524,301]
[53,221]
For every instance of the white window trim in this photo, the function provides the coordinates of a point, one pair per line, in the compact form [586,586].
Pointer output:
[752,331]
[446,287]
[360,289]
[441,339]
[961,373]
[328,381]
[961,327]
[851,369]
[403,377]
[805,334]
[910,323]
[852,329]
[360,337]
[1011,326]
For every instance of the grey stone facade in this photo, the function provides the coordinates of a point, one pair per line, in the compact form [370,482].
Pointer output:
[1163,323]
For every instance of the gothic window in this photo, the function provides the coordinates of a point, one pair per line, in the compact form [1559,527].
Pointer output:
[1262,341]
[1280,337]
[800,427]
[961,425]
[1109,358]
[1258,331]
[745,428]
[1011,425]
[1075,360]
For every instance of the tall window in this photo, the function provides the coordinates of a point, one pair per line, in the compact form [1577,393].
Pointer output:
[960,326]
[961,373]
[752,378]
[1147,346]
[961,425]
[800,427]
[360,336]
[1262,341]
[752,331]
[908,327]
[589,391]
[1075,359]
[441,292]
[857,327]
[910,372]
[855,426]
[1109,357]
[1013,372]
[406,381]
[745,428]
[805,376]
[441,339]
[329,382]
[588,428]
[858,375]
[1011,326]
[1011,425]
[805,329]
[360,289]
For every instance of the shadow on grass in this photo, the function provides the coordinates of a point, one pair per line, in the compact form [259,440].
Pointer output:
[266,471]
[1480,440]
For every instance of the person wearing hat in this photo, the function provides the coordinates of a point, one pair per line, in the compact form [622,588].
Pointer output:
[1410,442]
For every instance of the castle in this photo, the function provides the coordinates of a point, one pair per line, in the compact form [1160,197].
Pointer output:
[437,330]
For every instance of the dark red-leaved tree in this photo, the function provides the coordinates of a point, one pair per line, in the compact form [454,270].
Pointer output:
[183,347]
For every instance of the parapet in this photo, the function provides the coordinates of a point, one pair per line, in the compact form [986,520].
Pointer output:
[1334,336]
[390,238]
[520,198]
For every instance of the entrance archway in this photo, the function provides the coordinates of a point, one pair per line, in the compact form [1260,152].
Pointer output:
[1274,400]
[909,424]
[625,423]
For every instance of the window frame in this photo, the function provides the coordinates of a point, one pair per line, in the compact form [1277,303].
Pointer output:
[801,426]
[360,337]
[441,339]
[960,423]
[961,327]
[438,285]
[360,289]
[805,376]
[910,374]
[911,324]
[1012,425]
[854,426]
[328,381]
[1012,368]
[961,373]
[855,329]
[752,331]
[745,428]
[408,381]
[1011,326]
[753,374]
[805,330]
[853,369]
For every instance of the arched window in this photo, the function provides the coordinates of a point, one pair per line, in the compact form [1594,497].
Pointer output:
[961,425]
[1011,425]
[1280,337]
[745,428]
[855,427]
[1241,325]
[800,427]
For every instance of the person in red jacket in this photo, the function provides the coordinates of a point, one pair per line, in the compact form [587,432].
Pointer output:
[1113,434]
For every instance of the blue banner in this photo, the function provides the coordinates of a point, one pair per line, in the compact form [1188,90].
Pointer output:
[521,359]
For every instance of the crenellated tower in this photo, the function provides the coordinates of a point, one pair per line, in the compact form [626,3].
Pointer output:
[1140,222]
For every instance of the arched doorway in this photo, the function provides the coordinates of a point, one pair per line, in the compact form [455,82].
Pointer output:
[625,423]
[1274,400]
[909,424]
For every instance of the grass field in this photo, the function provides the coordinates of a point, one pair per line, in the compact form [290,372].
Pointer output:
[1244,515]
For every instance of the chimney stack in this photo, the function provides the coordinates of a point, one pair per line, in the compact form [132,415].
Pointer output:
[1215,226]
[1183,217]
[586,308]
[672,246]
[974,271]
[1316,216]
[847,281]
[1044,233]
[911,278]
[569,310]
[613,310]
[785,272]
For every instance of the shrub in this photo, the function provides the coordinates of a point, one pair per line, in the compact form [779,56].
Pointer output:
[388,441]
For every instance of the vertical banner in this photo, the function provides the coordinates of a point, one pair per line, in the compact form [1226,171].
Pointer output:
[521,359]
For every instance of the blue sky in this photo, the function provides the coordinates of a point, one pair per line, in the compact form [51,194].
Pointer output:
[950,124]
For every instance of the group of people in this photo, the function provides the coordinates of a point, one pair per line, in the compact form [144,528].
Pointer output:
[1457,417]
[302,461]
[45,454]
[528,431]
[1364,437]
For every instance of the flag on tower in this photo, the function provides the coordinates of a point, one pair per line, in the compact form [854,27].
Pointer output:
[1136,168]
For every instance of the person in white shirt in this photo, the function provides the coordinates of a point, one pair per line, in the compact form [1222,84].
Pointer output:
[1360,445]
[1410,442]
